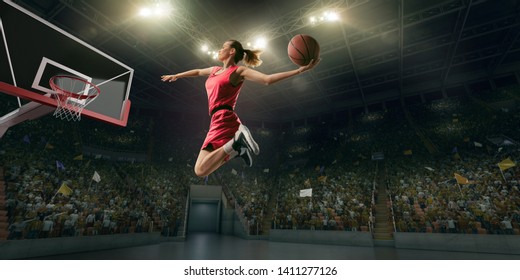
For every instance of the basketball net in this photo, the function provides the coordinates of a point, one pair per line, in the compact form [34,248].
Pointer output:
[72,94]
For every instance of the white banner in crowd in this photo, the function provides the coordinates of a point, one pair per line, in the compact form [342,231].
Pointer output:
[306,192]
[96,177]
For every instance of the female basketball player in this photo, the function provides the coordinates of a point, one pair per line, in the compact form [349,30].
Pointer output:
[227,137]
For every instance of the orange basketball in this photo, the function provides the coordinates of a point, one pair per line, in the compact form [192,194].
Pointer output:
[302,49]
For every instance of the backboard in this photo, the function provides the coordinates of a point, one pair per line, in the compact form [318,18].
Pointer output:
[33,50]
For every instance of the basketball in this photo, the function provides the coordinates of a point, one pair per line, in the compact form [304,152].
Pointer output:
[302,49]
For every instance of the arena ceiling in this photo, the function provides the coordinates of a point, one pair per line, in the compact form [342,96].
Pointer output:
[379,53]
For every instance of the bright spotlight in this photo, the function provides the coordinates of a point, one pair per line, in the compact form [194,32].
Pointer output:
[331,16]
[260,43]
[145,12]
[158,10]
[204,48]
[328,16]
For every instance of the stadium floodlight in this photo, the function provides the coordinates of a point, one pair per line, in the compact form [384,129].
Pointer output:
[330,16]
[260,43]
[158,10]
[145,12]
[327,16]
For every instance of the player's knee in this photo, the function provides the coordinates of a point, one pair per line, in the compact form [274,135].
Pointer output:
[200,172]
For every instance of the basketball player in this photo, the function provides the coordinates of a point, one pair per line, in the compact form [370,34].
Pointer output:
[227,138]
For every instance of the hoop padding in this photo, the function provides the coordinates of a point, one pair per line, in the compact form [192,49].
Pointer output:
[72,94]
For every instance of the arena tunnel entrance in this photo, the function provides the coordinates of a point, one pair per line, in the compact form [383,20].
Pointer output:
[204,211]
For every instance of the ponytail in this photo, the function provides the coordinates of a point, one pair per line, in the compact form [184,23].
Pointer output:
[251,57]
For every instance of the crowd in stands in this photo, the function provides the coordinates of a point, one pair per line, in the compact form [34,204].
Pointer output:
[341,200]
[133,137]
[52,190]
[425,194]
[433,201]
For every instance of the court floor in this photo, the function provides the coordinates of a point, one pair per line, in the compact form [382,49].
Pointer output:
[207,246]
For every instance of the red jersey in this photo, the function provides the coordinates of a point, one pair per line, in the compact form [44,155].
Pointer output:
[224,123]
[220,90]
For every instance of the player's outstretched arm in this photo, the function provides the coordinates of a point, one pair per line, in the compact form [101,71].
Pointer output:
[189,73]
[259,77]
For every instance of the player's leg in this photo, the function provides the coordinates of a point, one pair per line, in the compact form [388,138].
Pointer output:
[209,160]
[241,145]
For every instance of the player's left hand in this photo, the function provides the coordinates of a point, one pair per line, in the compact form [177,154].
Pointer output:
[309,66]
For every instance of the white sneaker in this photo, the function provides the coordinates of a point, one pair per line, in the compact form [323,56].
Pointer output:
[242,149]
[246,156]
[249,141]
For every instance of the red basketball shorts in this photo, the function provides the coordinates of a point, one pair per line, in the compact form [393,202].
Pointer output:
[224,124]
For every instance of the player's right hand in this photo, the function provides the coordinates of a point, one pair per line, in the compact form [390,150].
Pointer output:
[168,78]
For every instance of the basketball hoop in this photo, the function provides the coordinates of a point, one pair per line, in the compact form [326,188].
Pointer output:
[72,94]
